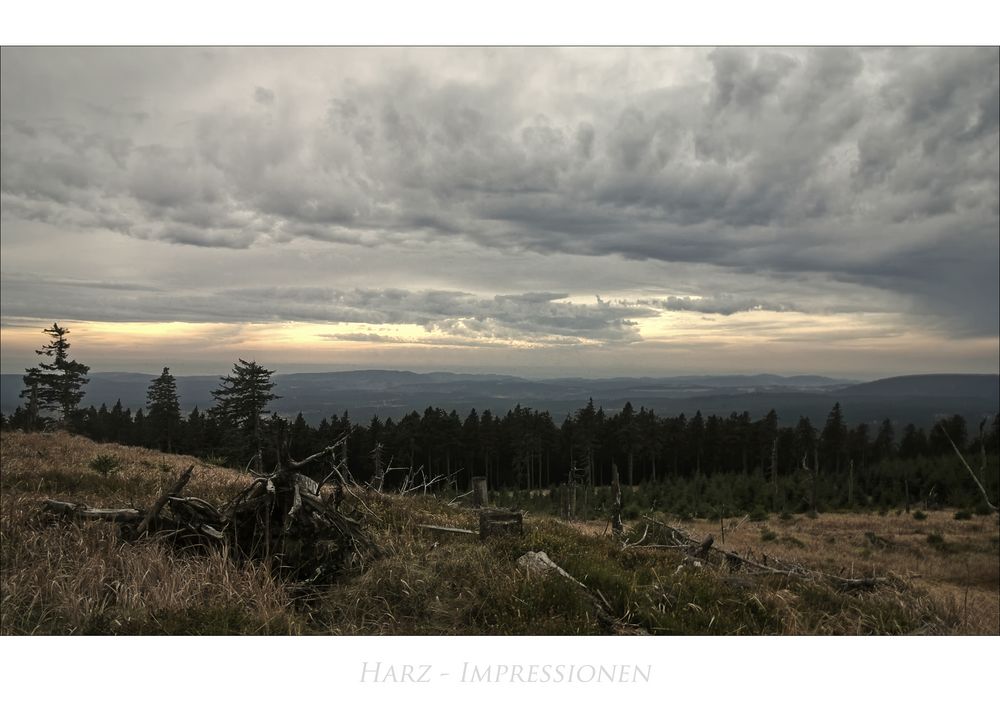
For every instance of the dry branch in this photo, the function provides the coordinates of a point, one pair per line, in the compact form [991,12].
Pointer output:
[733,560]
[279,518]
[448,530]
[972,474]
[82,511]
[540,563]
[154,511]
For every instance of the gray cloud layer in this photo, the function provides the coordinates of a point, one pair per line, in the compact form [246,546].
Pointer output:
[536,317]
[859,169]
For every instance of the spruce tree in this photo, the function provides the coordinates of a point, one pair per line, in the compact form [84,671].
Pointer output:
[56,385]
[834,438]
[241,402]
[164,410]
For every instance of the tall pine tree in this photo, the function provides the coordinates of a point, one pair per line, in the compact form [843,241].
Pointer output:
[241,403]
[56,385]
[163,409]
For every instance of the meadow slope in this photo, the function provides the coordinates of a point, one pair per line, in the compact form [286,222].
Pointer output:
[66,578]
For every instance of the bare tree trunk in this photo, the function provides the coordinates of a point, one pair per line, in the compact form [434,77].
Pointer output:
[379,478]
[982,468]
[616,511]
[480,492]
[815,482]
[850,485]
[774,475]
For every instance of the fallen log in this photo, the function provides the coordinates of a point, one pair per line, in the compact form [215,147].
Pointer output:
[538,562]
[82,511]
[449,530]
[734,561]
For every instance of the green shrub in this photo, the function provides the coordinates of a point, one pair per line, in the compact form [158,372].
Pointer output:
[935,539]
[785,516]
[105,465]
[919,516]
[767,535]
[963,514]
[758,515]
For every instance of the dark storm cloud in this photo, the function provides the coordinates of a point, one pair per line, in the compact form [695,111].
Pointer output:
[860,167]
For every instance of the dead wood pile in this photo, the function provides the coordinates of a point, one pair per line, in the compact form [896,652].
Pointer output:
[279,519]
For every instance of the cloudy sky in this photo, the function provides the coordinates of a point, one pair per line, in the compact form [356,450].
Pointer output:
[527,211]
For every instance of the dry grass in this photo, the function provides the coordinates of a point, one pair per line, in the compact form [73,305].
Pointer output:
[51,464]
[962,574]
[71,578]
[84,579]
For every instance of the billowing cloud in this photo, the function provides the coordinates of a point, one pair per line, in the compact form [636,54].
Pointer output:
[830,180]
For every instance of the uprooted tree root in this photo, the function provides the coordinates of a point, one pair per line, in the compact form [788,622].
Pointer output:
[279,519]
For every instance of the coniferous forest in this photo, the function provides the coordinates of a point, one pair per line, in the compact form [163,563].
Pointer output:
[686,464]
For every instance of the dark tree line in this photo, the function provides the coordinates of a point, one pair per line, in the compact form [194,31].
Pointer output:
[832,466]
[758,462]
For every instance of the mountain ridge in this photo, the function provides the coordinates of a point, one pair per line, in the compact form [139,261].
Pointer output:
[389,393]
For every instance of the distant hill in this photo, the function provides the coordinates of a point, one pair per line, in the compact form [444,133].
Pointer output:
[938,385]
[387,393]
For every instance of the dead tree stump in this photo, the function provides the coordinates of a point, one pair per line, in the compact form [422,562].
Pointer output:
[616,508]
[480,492]
[499,522]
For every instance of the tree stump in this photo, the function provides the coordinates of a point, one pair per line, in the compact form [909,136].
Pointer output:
[480,493]
[499,522]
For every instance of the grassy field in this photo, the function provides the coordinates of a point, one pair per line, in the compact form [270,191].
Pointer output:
[941,573]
